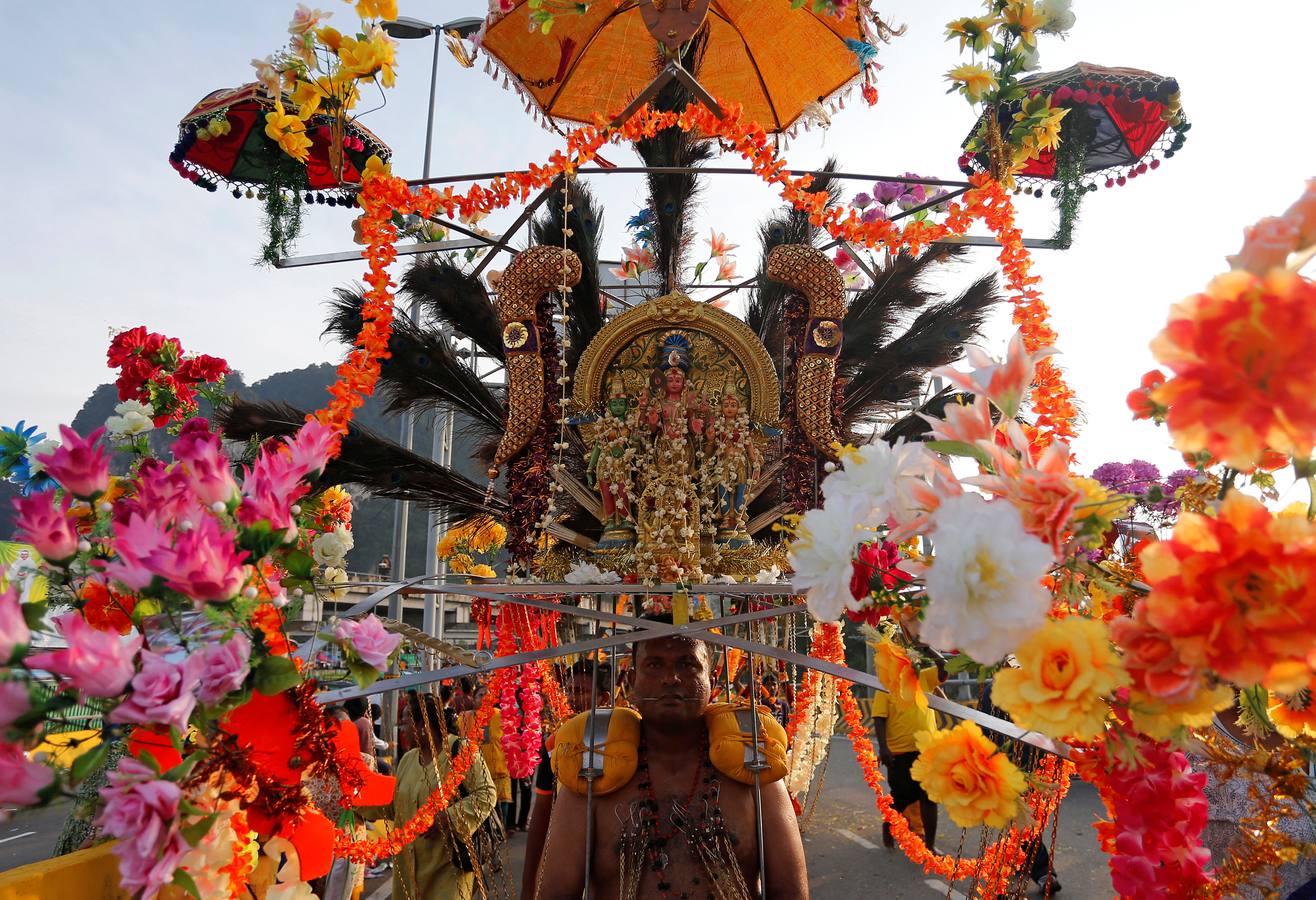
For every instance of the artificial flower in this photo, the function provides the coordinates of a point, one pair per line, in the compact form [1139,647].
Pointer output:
[1293,712]
[369,640]
[105,608]
[132,417]
[962,770]
[588,573]
[726,268]
[1161,719]
[222,667]
[142,811]
[984,585]
[1003,383]
[1236,592]
[1266,245]
[1302,216]
[306,19]
[162,692]
[876,568]
[311,447]
[97,663]
[967,423]
[718,245]
[366,58]
[375,166]
[1152,659]
[47,526]
[482,571]
[974,81]
[1066,672]
[1059,16]
[334,576]
[893,666]
[1044,494]
[269,78]
[288,131]
[204,563]
[1024,17]
[269,490]
[881,480]
[820,556]
[137,540]
[14,633]
[331,547]
[14,702]
[79,465]
[385,10]
[207,468]
[22,780]
[973,32]
[1240,355]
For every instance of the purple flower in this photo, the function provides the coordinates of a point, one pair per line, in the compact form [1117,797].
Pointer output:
[874,214]
[861,201]
[885,192]
[1113,475]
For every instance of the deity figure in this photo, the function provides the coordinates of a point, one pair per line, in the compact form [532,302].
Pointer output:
[672,423]
[732,464]
[612,458]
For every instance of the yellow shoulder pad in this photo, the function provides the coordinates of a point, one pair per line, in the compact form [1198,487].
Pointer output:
[731,743]
[605,742]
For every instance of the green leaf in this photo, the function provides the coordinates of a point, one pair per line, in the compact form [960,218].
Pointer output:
[364,675]
[298,563]
[960,448]
[181,771]
[34,613]
[89,762]
[184,881]
[275,675]
[197,831]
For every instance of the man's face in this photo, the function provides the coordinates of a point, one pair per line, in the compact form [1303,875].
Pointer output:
[578,692]
[673,680]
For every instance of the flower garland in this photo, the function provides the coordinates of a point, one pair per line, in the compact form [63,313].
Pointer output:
[999,861]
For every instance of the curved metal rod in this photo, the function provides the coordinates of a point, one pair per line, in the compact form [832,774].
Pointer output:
[307,649]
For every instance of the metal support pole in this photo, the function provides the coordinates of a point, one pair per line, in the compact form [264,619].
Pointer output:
[429,118]
[757,767]
[589,782]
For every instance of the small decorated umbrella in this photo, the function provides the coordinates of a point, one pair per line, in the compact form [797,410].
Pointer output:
[782,64]
[223,139]
[1121,124]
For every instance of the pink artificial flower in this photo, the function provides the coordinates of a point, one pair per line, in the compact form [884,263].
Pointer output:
[14,633]
[164,493]
[369,639]
[269,490]
[718,245]
[726,268]
[47,527]
[163,692]
[1002,383]
[1266,245]
[965,422]
[204,563]
[1045,495]
[222,668]
[844,261]
[206,467]
[14,702]
[142,811]
[311,447]
[138,542]
[97,663]
[1153,660]
[1302,216]
[80,466]
[21,779]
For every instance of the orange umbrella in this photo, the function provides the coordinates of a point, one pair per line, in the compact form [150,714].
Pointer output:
[775,61]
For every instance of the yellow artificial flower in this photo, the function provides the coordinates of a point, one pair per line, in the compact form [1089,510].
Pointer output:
[461,564]
[1098,501]
[377,9]
[1067,668]
[972,32]
[288,131]
[447,545]
[1293,712]
[1160,720]
[965,772]
[974,81]
[307,95]
[893,666]
[365,58]
[482,571]
[487,537]
[1025,16]
[330,37]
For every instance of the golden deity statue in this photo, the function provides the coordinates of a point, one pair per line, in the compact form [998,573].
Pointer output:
[731,466]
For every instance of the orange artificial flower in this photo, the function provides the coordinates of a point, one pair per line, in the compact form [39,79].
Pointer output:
[1236,593]
[1240,356]
[894,668]
[105,608]
[1294,713]
[965,772]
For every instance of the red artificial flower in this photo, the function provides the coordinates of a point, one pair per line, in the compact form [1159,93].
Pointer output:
[105,608]
[136,372]
[201,369]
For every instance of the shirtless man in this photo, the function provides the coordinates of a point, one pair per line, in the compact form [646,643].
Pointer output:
[671,688]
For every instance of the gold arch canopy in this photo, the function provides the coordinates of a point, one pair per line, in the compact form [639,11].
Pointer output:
[771,59]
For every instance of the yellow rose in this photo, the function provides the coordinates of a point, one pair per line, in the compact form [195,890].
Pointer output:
[966,773]
[1066,670]
[897,673]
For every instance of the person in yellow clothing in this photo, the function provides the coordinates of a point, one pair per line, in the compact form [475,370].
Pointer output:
[897,725]
[491,748]
[425,869]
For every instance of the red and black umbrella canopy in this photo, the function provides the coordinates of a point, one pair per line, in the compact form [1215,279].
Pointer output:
[223,140]
[1128,120]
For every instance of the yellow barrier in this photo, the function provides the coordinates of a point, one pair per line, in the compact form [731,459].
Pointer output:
[86,875]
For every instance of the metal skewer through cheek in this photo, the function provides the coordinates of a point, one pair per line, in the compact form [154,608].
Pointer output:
[588,770]
[756,765]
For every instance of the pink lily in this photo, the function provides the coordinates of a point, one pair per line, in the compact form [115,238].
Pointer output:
[1002,383]
[269,490]
[726,268]
[968,423]
[206,467]
[80,466]
[138,543]
[718,245]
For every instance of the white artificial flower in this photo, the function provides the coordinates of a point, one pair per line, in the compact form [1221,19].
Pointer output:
[984,585]
[335,575]
[822,556]
[41,448]
[880,480]
[330,548]
[769,575]
[134,417]
[1059,16]
[588,573]
[720,579]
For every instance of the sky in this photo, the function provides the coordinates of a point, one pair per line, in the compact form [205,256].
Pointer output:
[101,234]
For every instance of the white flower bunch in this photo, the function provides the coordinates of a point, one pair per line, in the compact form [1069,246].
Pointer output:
[133,418]
[331,547]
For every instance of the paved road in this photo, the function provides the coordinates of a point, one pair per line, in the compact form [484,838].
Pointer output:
[842,842]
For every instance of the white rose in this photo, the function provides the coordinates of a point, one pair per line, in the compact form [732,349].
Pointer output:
[334,575]
[330,548]
[134,417]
